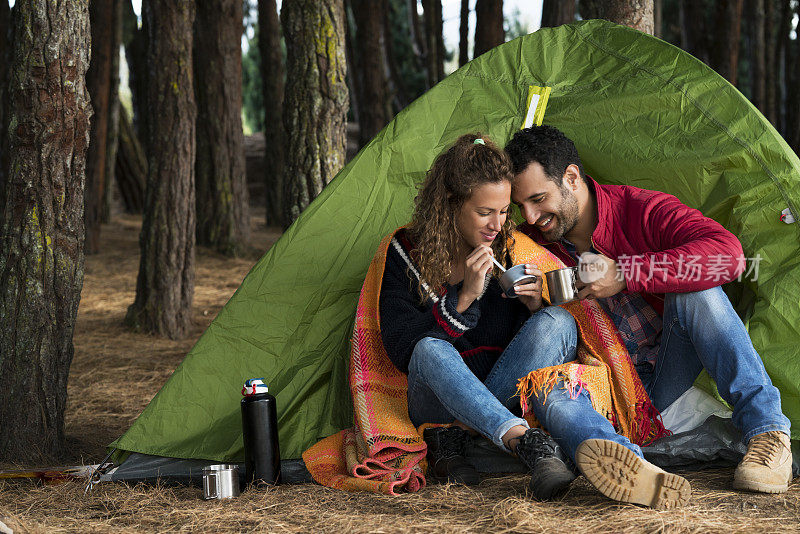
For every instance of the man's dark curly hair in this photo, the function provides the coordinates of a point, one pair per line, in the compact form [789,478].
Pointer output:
[547,146]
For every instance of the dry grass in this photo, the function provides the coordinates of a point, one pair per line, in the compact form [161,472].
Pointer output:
[115,374]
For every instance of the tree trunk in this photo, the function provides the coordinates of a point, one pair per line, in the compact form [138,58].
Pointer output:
[434,41]
[316,98]
[165,285]
[5,58]
[658,16]
[112,143]
[272,77]
[135,39]
[372,117]
[463,34]
[398,92]
[694,35]
[418,40]
[725,53]
[771,31]
[131,168]
[41,262]
[103,84]
[792,56]
[488,25]
[757,54]
[223,221]
[557,12]
[637,14]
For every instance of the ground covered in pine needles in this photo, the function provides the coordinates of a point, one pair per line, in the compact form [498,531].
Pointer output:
[115,373]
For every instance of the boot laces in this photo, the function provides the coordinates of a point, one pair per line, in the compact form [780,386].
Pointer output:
[764,448]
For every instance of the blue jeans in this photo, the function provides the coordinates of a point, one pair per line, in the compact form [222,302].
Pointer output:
[442,388]
[701,330]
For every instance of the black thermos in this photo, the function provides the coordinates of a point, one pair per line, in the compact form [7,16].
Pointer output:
[262,457]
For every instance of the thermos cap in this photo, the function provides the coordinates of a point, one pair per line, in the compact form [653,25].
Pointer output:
[254,386]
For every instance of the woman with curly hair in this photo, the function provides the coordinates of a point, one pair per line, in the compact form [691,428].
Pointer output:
[446,323]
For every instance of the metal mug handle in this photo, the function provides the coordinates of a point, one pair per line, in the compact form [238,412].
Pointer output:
[210,480]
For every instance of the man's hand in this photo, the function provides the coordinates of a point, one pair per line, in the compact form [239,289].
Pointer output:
[530,294]
[605,280]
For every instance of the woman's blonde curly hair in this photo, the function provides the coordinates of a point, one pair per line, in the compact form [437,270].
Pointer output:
[449,183]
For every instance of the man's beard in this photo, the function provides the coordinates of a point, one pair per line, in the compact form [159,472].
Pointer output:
[566,216]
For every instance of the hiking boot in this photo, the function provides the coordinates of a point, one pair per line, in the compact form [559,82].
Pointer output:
[446,462]
[550,474]
[767,466]
[619,474]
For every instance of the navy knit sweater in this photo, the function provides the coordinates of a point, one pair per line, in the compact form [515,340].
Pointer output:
[480,334]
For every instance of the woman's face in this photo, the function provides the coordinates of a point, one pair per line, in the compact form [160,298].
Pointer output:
[483,214]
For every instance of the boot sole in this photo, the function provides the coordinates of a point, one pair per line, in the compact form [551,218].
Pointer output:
[619,474]
[760,487]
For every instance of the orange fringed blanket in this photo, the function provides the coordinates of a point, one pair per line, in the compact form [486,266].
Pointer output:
[384,453]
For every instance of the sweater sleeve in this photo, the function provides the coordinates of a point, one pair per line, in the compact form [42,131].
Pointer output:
[690,252]
[404,320]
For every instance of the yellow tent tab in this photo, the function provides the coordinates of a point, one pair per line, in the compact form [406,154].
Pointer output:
[537,102]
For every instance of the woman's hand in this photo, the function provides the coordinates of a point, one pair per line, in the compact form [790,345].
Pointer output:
[530,294]
[477,264]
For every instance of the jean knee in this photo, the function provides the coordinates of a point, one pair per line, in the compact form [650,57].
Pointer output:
[430,351]
[559,322]
[709,302]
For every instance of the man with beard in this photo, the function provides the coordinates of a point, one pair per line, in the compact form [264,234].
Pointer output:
[662,264]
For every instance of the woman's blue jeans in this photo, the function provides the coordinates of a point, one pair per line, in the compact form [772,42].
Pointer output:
[701,330]
[442,388]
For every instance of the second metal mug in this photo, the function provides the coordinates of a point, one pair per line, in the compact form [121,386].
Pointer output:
[561,285]
[220,481]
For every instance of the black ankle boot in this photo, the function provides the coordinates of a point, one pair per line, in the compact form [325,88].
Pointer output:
[446,462]
[550,472]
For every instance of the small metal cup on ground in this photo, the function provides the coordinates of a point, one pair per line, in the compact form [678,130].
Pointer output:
[220,481]
[561,285]
[514,276]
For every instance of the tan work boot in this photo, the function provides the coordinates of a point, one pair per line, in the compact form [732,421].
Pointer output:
[619,474]
[767,466]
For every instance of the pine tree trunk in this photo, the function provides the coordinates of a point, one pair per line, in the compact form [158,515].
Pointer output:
[488,25]
[463,34]
[5,58]
[757,54]
[694,35]
[41,262]
[557,12]
[112,143]
[792,66]
[223,221]
[434,41]
[397,91]
[103,84]
[131,168]
[316,98]
[165,285]
[771,31]
[418,40]
[637,14]
[272,76]
[368,16]
[725,53]
[135,39]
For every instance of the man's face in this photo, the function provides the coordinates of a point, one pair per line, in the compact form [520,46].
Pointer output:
[545,205]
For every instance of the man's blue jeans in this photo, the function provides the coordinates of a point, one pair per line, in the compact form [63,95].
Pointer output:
[701,330]
[442,388]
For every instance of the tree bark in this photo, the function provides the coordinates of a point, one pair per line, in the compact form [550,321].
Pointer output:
[637,14]
[418,40]
[557,12]
[757,54]
[725,53]
[771,31]
[694,35]
[316,98]
[658,18]
[41,262]
[791,58]
[488,25]
[103,83]
[131,168]
[135,40]
[463,34]
[372,103]
[223,220]
[434,41]
[5,57]
[398,92]
[165,285]
[272,76]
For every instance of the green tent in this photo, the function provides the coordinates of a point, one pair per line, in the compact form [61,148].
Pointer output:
[640,111]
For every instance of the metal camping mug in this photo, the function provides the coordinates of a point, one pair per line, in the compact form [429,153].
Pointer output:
[220,481]
[515,276]
[561,285]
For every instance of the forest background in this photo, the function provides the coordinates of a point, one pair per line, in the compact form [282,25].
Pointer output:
[206,127]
